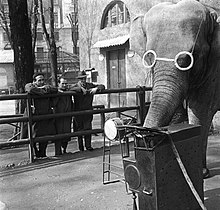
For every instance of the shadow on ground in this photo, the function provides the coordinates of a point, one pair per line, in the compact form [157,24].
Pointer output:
[70,157]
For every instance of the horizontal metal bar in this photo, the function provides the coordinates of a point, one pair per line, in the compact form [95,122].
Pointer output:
[13,120]
[13,97]
[76,113]
[49,138]
[118,90]
[12,115]
[14,143]
[61,136]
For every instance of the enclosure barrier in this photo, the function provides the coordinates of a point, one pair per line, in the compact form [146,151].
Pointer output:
[141,108]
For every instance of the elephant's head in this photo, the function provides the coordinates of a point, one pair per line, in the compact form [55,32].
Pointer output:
[178,42]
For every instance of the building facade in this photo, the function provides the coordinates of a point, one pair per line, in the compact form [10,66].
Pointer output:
[108,28]
[68,60]
[104,27]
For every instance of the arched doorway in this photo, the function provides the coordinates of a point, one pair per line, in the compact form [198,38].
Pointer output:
[115,49]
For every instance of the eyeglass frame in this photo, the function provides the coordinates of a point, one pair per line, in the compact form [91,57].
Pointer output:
[169,59]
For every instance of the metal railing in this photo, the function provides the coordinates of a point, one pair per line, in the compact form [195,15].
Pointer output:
[141,108]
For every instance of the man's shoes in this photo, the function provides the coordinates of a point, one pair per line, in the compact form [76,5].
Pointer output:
[89,149]
[37,155]
[58,154]
[81,149]
[43,156]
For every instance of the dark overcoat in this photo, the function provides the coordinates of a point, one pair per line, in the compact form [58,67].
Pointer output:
[63,104]
[84,102]
[42,106]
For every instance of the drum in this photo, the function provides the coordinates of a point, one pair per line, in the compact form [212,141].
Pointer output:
[111,131]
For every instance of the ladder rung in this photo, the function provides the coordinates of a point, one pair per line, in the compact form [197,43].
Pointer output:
[113,181]
[112,165]
[113,172]
[106,150]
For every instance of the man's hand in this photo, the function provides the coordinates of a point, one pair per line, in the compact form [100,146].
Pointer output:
[93,90]
[83,90]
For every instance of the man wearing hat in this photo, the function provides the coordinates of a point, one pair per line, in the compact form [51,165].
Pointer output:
[83,101]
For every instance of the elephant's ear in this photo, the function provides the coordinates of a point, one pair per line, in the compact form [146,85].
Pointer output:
[215,38]
[137,36]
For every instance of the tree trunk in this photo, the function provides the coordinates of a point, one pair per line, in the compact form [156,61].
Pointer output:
[21,44]
[53,62]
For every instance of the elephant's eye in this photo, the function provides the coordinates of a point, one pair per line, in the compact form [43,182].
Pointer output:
[184,60]
[149,58]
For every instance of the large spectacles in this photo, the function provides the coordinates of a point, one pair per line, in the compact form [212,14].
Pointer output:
[150,57]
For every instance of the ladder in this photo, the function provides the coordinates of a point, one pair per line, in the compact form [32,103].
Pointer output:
[112,172]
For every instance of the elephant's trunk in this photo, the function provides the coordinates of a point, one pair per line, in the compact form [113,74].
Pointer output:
[168,93]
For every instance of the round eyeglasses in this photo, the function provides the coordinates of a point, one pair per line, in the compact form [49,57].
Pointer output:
[183,60]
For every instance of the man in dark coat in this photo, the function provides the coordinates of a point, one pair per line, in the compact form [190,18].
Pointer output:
[84,101]
[41,106]
[64,103]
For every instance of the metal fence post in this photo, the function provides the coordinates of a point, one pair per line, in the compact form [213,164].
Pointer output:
[30,122]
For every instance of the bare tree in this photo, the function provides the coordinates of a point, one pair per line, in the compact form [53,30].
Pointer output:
[33,20]
[4,22]
[88,20]
[50,39]
[73,19]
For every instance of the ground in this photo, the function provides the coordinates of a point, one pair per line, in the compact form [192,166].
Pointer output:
[75,181]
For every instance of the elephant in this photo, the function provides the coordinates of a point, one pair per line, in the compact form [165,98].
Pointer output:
[180,44]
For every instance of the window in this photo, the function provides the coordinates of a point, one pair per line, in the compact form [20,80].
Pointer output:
[55,17]
[74,2]
[6,8]
[56,2]
[5,37]
[56,35]
[5,11]
[40,53]
[116,14]
[39,36]
[58,52]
